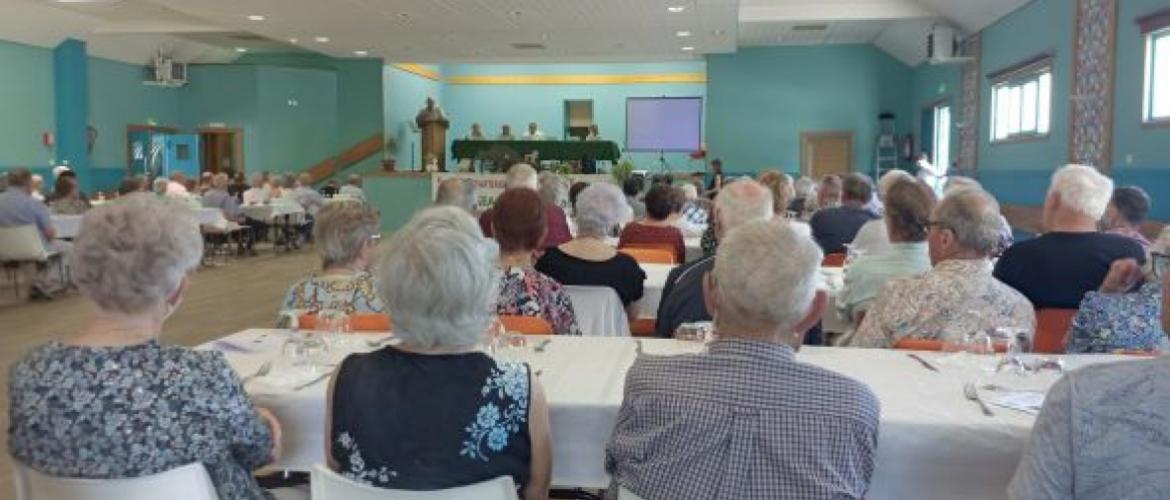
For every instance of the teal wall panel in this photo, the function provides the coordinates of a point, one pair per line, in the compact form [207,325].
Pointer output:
[71,98]
[296,121]
[398,198]
[118,98]
[761,99]
[26,101]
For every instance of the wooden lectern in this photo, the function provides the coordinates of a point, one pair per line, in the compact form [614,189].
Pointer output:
[433,126]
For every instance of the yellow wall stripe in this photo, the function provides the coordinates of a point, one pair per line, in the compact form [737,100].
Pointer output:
[419,70]
[577,79]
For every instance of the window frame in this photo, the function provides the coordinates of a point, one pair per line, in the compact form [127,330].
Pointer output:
[1148,78]
[1019,77]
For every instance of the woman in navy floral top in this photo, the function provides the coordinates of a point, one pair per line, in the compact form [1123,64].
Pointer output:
[519,224]
[110,401]
[434,412]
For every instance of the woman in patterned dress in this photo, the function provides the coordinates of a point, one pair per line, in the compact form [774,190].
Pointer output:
[519,224]
[111,401]
[433,411]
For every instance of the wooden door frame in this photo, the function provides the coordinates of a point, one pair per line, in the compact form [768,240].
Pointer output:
[159,129]
[806,137]
[237,134]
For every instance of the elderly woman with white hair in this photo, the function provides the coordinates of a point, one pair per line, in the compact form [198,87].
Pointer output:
[346,234]
[1056,269]
[588,259]
[111,401]
[434,411]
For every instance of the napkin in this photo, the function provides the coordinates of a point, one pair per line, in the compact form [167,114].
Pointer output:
[1026,401]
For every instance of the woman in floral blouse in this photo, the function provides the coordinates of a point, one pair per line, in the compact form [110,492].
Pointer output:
[346,234]
[519,225]
[111,401]
[434,411]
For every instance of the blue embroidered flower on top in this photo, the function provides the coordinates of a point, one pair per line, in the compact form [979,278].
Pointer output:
[507,388]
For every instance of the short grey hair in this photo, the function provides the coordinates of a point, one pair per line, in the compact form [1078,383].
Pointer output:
[805,187]
[742,201]
[973,216]
[1082,189]
[766,274]
[521,175]
[457,192]
[890,178]
[552,188]
[342,230]
[132,252]
[354,180]
[601,207]
[160,185]
[959,182]
[439,280]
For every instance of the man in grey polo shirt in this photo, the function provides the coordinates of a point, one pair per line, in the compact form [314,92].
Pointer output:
[19,208]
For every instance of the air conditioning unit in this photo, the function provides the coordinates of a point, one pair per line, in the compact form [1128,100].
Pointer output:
[943,46]
[165,72]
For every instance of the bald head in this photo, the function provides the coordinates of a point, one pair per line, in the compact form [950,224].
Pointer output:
[453,192]
[741,202]
[522,175]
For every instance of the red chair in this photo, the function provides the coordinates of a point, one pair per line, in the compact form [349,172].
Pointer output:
[834,260]
[1052,326]
[528,325]
[359,323]
[642,327]
[650,255]
[909,344]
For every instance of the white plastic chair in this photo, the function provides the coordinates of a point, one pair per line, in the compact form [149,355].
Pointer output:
[21,245]
[189,482]
[624,494]
[599,311]
[328,485]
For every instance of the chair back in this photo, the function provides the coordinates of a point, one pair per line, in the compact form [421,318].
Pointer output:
[650,255]
[365,322]
[643,327]
[1052,326]
[530,325]
[189,482]
[909,344]
[600,312]
[328,485]
[834,260]
[624,494]
[22,244]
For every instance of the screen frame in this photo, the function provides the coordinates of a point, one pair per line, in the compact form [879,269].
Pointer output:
[702,107]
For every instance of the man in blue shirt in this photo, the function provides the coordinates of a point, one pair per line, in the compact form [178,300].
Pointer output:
[19,208]
[834,227]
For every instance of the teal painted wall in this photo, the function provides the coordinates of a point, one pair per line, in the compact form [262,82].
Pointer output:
[398,198]
[118,98]
[26,101]
[761,99]
[359,106]
[403,95]
[517,105]
[931,85]
[228,94]
[296,121]
[1147,146]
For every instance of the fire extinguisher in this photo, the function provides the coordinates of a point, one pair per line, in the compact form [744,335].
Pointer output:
[47,139]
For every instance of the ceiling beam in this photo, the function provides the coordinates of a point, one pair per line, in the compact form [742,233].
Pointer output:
[857,10]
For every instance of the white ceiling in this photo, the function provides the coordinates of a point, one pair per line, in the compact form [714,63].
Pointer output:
[485,30]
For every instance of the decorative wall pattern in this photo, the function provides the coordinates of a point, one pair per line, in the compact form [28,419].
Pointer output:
[968,121]
[1091,123]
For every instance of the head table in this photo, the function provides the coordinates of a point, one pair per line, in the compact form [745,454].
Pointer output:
[933,443]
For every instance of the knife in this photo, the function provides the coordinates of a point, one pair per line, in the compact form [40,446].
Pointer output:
[925,364]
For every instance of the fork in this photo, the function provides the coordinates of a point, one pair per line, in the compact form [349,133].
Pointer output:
[542,345]
[264,369]
[972,394]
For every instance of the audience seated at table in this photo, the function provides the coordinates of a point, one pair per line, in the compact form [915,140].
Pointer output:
[693,217]
[520,224]
[346,235]
[739,202]
[1123,314]
[908,205]
[19,208]
[1103,433]
[434,411]
[1126,212]
[588,259]
[66,198]
[1055,269]
[958,296]
[872,237]
[258,194]
[523,176]
[353,187]
[744,419]
[632,187]
[834,226]
[655,230]
[217,197]
[110,401]
[300,190]
[457,192]
[780,184]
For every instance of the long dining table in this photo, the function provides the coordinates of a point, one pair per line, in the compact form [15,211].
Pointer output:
[933,443]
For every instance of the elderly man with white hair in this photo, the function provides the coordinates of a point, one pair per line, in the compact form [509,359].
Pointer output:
[1056,269]
[19,208]
[523,176]
[745,419]
[739,202]
[872,237]
[958,296]
[455,416]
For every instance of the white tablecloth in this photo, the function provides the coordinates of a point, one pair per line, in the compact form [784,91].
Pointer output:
[66,226]
[933,443]
[268,213]
[652,289]
[211,217]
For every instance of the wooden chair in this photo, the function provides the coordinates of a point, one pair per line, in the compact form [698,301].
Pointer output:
[834,260]
[650,255]
[371,322]
[529,325]
[1052,326]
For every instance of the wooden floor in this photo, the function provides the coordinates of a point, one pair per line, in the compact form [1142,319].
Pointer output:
[244,293]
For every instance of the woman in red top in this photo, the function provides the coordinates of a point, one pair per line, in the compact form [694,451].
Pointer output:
[655,230]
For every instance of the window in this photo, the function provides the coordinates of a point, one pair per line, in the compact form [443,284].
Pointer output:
[1021,104]
[942,138]
[1156,106]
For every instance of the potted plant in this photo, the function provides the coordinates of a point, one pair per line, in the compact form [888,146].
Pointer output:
[622,171]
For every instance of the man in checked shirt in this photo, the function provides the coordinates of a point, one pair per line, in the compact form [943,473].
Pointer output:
[744,420]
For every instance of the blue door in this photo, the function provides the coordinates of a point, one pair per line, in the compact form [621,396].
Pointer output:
[182,154]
